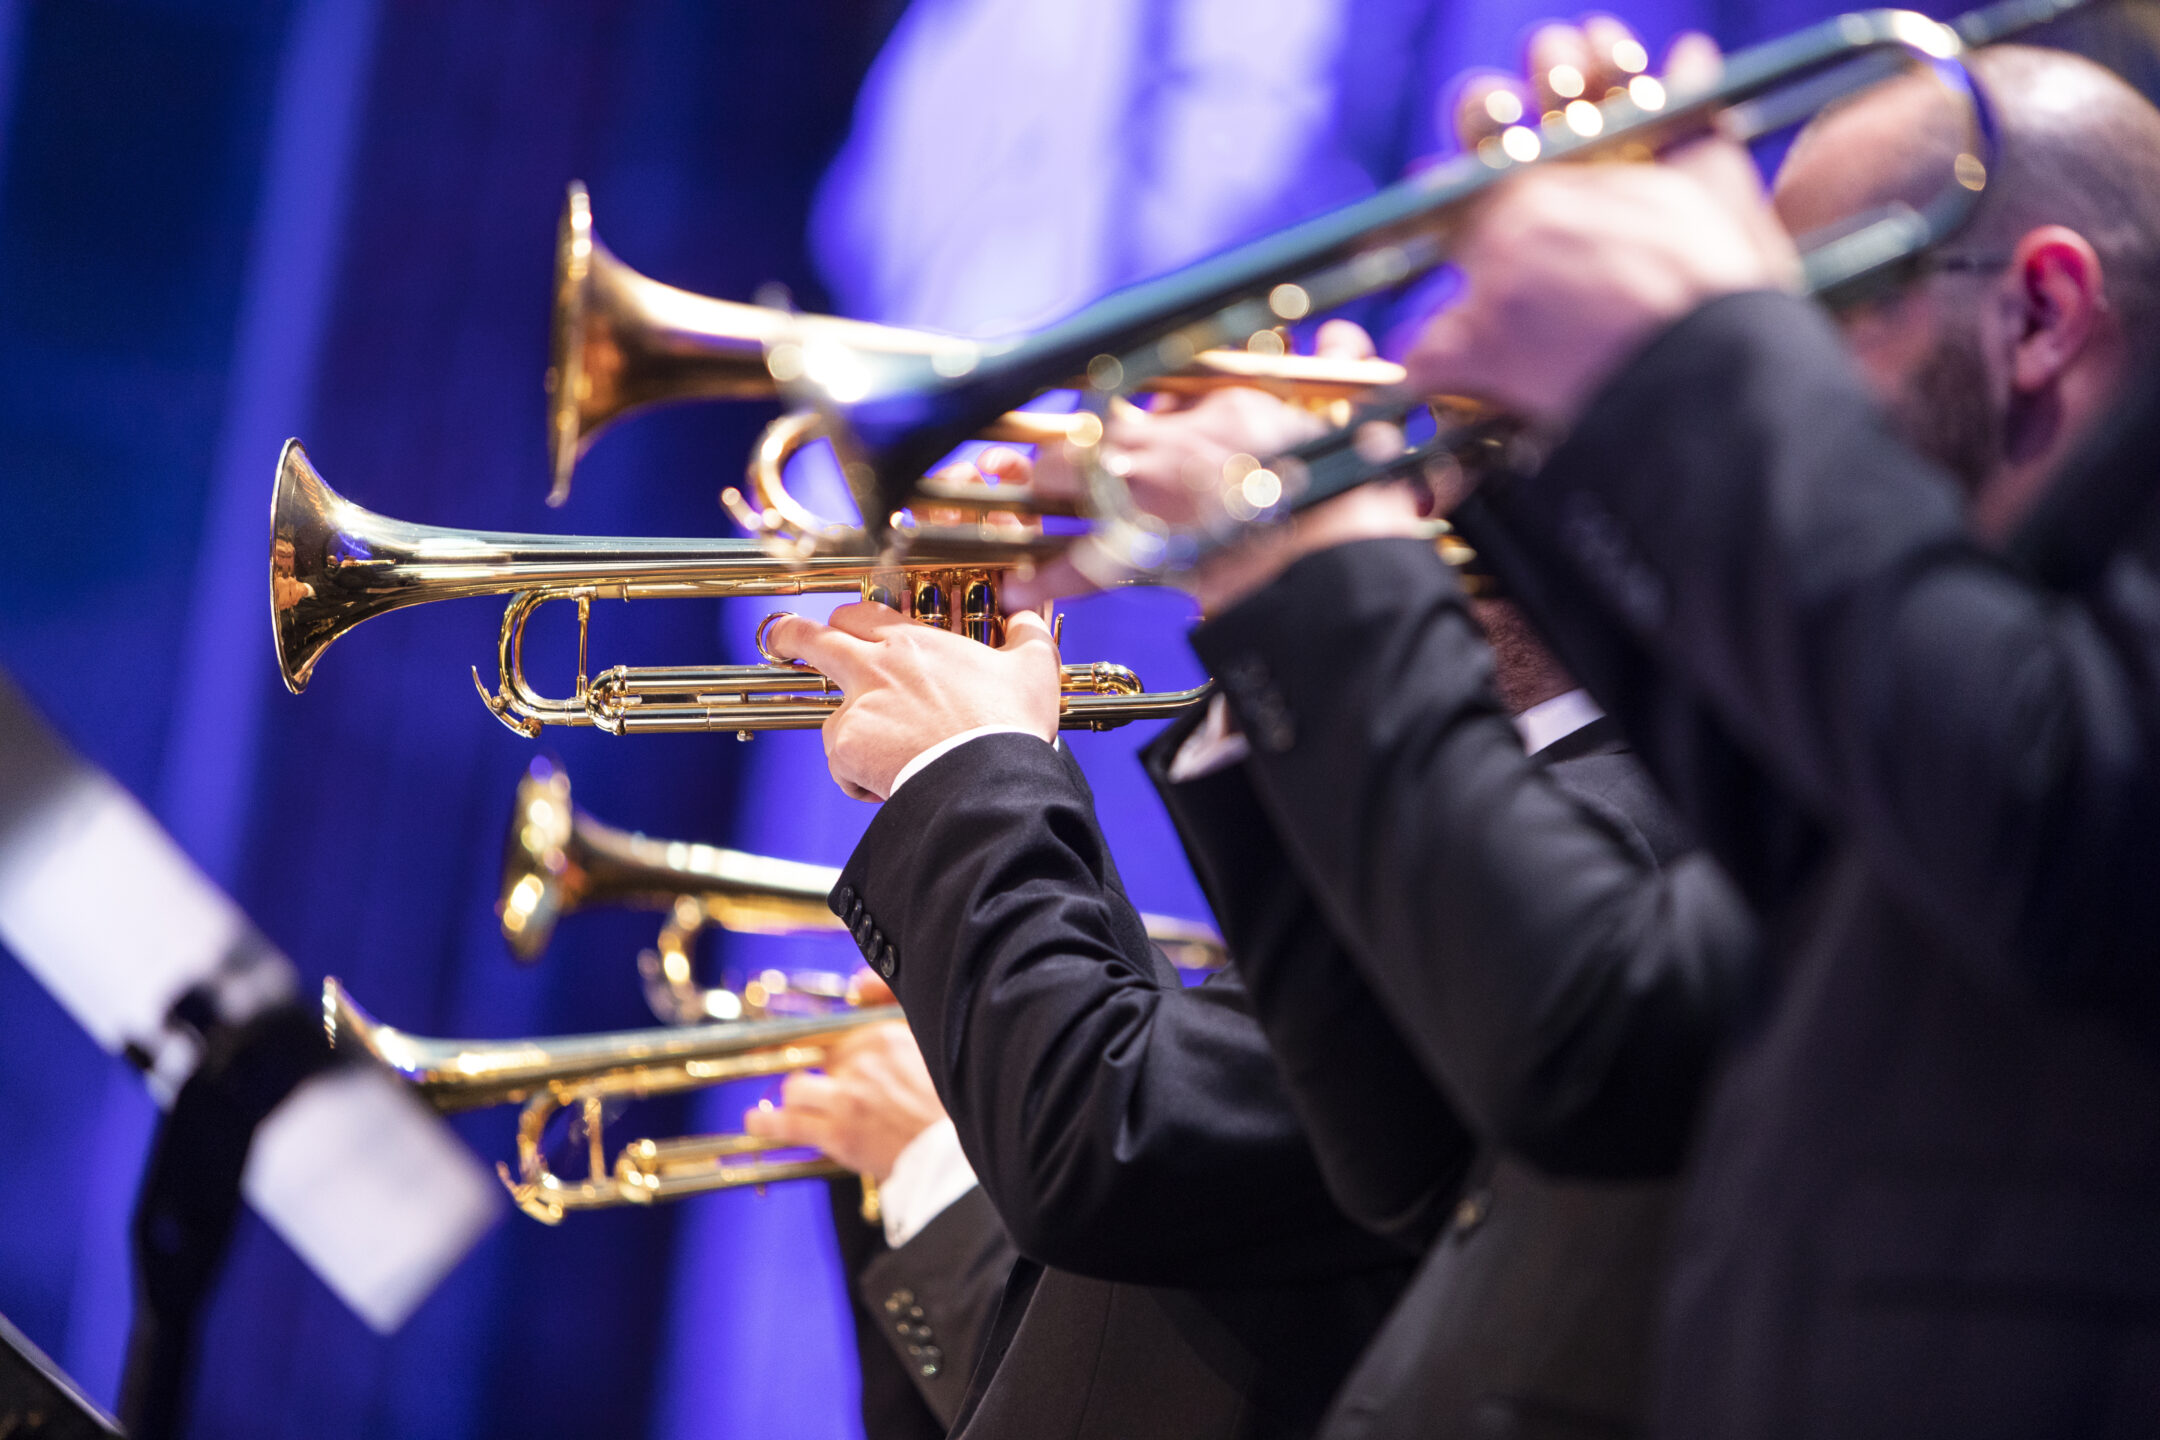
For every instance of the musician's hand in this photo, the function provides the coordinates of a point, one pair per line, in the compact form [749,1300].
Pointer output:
[1568,269]
[874,1097]
[866,987]
[909,686]
[1175,463]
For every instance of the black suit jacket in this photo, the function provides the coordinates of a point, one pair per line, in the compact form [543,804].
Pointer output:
[1542,928]
[922,1311]
[1187,1273]
[1927,1198]
[1546,938]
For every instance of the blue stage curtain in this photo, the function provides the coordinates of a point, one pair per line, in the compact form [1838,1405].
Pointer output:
[221,223]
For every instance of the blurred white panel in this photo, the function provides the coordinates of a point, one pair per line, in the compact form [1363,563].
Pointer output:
[371,1189]
[99,903]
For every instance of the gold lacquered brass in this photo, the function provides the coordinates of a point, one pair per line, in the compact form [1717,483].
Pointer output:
[586,1072]
[622,342]
[558,859]
[334,564]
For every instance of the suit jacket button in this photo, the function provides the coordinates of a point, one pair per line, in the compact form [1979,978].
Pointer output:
[1470,1211]
[845,899]
[886,962]
[899,1300]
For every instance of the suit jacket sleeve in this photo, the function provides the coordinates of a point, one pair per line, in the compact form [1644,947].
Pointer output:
[1565,978]
[1766,844]
[1123,1126]
[1736,500]
[1391,1148]
[932,1301]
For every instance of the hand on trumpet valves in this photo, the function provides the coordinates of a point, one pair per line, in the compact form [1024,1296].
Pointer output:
[1185,463]
[998,465]
[908,687]
[872,1099]
[1568,269]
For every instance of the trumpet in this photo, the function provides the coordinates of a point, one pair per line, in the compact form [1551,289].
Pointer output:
[621,342]
[334,565]
[890,413]
[584,1073]
[558,859]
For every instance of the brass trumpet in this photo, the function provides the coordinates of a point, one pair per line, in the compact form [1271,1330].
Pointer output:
[585,1072]
[622,342]
[334,565]
[558,859]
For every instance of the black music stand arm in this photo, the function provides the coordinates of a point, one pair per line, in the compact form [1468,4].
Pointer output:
[190,1195]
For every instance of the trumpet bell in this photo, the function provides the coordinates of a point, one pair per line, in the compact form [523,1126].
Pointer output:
[315,548]
[536,860]
[557,859]
[621,342]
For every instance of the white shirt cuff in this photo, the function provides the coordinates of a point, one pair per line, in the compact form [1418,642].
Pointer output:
[928,1174]
[951,742]
[1555,719]
[1215,744]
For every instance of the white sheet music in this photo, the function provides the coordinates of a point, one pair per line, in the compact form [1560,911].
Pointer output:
[368,1186]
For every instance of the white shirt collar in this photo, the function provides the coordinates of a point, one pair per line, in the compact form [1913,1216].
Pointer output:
[1555,719]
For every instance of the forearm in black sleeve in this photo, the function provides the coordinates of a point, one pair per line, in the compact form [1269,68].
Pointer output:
[932,1301]
[1390,1146]
[1767,845]
[1735,497]
[1108,1111]
[1568,987]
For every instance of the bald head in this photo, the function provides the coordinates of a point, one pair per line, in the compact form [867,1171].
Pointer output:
[2076,147]
[2001,356]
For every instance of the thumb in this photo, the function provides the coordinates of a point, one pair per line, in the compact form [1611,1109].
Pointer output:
[1025,629]
[1054,579]
[1440,360]
[1343,340]
[1693,63]
[867,987]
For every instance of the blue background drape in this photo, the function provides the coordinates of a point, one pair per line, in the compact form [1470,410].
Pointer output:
[222,223]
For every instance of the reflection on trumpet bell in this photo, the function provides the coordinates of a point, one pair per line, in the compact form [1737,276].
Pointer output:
[584,1072]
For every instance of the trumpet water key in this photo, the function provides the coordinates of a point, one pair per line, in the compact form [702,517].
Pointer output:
[558,859]
[334,564]
[583,1073]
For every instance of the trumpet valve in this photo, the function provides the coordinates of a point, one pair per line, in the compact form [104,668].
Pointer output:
[980,620]
[930,605]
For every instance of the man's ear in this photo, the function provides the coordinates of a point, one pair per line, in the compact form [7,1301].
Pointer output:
[2061,301]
